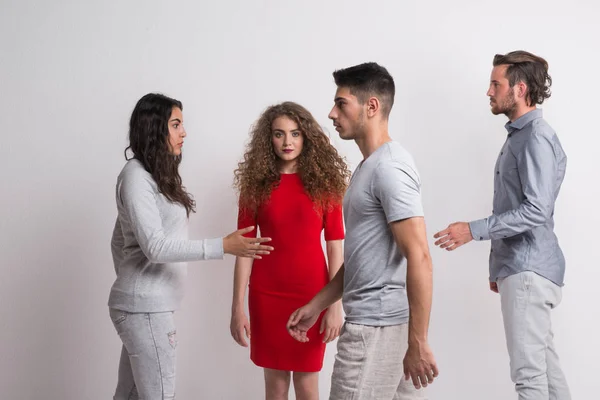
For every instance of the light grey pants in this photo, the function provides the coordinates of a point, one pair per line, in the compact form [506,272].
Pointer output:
[527,299]
[369,364]
[147,366]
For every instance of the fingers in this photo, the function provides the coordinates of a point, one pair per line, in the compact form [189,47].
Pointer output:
[436,372]
[241,340]
[322,327]
[293,320]
[454,246]
[298,335]
[237,334]
[429,375]
[494,287]
[247,329]
[441,233]
[260,247]
[331,334]
[245,230]
[259,240]
[415,380]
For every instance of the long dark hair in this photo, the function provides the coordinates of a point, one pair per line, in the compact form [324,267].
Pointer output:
[149,143]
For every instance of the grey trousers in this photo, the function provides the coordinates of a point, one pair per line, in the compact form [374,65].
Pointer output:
[369,364]
[527,299]
[147,365]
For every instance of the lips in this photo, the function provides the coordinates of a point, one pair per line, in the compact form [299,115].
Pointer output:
[287,151]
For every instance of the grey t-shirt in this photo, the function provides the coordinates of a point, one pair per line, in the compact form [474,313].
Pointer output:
[384,188]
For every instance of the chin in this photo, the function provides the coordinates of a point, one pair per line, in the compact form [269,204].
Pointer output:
[343,135]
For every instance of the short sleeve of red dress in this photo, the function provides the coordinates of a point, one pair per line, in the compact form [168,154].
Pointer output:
[246,218]
[333,223]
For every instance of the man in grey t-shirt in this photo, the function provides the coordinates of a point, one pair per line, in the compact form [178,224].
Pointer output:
[386,280]
[526,263]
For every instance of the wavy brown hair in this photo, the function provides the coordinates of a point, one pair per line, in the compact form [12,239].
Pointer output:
[149,143]
[323,171]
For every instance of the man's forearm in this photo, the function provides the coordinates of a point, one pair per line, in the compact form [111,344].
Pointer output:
[419,287]
[331,293]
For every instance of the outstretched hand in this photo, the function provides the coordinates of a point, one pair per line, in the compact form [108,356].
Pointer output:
[454,236]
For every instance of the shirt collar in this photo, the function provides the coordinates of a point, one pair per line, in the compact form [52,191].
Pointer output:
[523,120]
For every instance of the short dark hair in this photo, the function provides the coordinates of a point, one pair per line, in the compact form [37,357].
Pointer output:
[529,69]
[366,80]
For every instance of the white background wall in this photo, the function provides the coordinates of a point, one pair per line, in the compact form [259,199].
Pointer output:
[71,72]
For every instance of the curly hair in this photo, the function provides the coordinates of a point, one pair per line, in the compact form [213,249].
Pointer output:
[148,140]
[530,69]
[323,172]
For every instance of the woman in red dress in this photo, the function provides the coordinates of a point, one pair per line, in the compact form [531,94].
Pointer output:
[291,185]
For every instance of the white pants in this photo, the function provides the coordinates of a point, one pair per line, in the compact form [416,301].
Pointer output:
[527,299]
[369,364]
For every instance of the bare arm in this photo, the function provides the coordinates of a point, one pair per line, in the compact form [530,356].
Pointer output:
[333,319]
[305,317]
[335,257]
[239,320]
[411,238]
[241,276]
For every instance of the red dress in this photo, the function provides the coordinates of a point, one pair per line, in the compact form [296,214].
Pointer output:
[290,276]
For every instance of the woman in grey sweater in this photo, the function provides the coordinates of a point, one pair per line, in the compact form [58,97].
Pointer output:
[150,245]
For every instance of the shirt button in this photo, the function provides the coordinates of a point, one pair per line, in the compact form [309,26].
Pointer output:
[480,237]
[497,172]
[501,152]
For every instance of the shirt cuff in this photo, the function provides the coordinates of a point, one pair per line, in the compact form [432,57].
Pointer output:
[479,229]
[213,249]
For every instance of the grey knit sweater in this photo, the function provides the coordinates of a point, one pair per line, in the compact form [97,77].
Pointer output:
[150,245]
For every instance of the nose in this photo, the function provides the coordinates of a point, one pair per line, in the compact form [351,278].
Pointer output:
[490,93]
[332,114]
[183,132]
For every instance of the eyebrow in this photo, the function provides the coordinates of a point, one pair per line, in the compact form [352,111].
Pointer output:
[175,119]
[339,99]
[282,131]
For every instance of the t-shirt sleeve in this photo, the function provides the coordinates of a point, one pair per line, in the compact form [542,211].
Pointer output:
[333,223]
[397,186]
[246,218]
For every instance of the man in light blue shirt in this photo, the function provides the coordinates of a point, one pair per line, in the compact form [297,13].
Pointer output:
[527,266]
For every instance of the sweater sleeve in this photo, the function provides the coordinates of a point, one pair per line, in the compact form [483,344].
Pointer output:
[137,196]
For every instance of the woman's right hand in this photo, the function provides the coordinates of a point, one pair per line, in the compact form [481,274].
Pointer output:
[239,325]
[238,245]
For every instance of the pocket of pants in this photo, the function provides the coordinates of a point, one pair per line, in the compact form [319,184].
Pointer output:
[172,339]
[117,316]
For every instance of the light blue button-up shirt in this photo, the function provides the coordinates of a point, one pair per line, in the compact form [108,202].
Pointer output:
[527,178]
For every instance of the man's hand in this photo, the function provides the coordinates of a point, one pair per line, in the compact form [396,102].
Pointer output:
[454,236]
[301,321]
[332,323]
[420,365]
[494,287]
